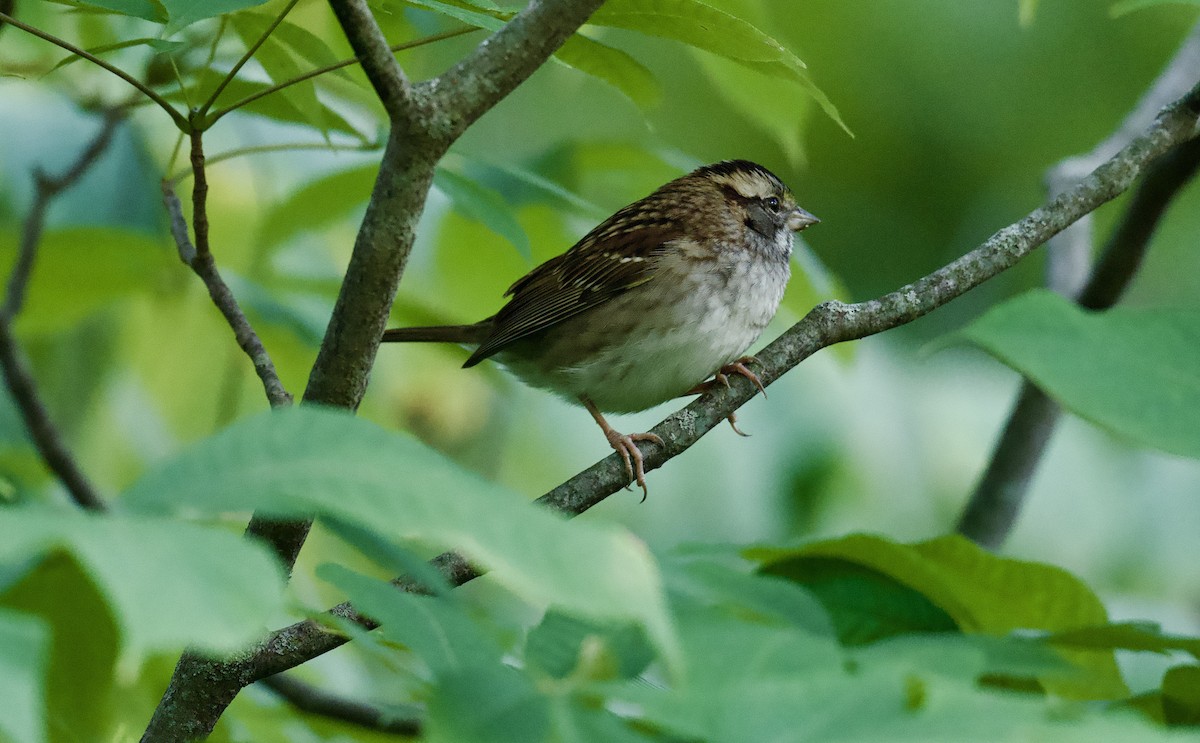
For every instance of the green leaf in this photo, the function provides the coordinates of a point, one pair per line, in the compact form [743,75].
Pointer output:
[183,13]
[982,593]
[1026,10]
[1128,6]
[1181,695]
[865,605]
[157,44]
[308,460]
[493,704]
[435,627]
[147,10]
[563,644]
[483,205]
[704,27]
[1133,371]
[613,66]
[319,203]
[780,112]
[83,269]
[281,67]
[24,656]
[1127,636]
[204,587]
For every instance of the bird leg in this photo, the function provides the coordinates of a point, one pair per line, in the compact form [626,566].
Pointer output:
[625,446]
[720,377]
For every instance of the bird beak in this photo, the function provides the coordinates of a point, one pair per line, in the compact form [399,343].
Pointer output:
[799,219]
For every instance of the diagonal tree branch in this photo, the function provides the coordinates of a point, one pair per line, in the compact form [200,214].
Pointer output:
[996,502]
[17,374]
[317,701]
[825,325]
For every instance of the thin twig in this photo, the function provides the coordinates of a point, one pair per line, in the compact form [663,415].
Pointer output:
[198,256]
[179,119]
[825,325]
[331,68]
[17,374]
[237,67]
[317,701]
[268,148]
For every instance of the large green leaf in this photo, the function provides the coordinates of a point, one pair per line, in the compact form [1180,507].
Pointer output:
[483,205]
[319,203]
[183,13]
[168,584]
[24,655]
[710,29]
[148,10]
[310,460]
[1133,371]
[982,593]
[82,269]
[276,58]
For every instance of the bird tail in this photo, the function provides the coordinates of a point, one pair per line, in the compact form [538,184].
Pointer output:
[467,334]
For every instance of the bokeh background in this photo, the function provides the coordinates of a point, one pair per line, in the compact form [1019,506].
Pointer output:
[957,111]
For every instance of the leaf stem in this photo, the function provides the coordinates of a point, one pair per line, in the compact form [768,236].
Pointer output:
[203,109]
[179,119]
[331,68]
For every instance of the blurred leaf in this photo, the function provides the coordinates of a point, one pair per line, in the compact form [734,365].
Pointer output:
[492,704]
[1133,371]
[511,181]
[1127,636]
[749,595]
[613,66]
[148,10]
[278,107]
[1026,10]
[865,605]
[318,203]
[561,644]
[1128,6]
[183,13]
[24,657]
[83,638]
[304,44]
[79,270]
[483,205]
[779,111]
[435,627]
[704,27]
[309,460]
[281,67]
[159,45]
[204,587]
[1181,695]
[304,320]
[982,593]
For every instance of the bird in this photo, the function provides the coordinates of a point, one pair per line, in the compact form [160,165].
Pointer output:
[658,301]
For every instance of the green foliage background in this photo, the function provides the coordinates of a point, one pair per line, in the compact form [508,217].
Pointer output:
[956,110]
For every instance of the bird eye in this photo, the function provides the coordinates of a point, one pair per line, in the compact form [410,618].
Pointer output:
[772,203]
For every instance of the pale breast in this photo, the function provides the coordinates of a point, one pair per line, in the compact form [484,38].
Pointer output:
[656,341]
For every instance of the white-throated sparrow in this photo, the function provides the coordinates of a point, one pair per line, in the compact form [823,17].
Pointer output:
[661,296]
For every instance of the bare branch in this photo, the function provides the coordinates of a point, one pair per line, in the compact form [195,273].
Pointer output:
[311,699]
[17,375]
[199,258]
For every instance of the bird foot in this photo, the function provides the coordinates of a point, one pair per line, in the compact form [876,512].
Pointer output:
[625,446]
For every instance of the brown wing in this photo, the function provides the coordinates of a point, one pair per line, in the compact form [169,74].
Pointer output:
[618,255]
